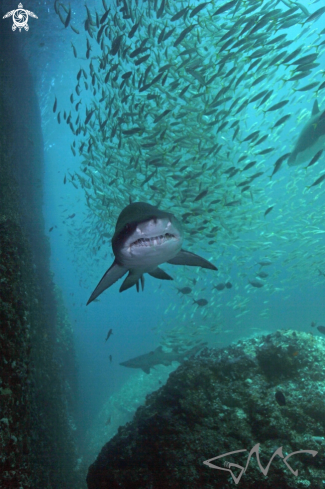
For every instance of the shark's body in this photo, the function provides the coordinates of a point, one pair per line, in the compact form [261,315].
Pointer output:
[159,357]
[311,139]
[144,238]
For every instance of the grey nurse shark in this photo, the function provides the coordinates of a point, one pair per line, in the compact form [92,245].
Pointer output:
[311,139]
[160,357]
[144,238]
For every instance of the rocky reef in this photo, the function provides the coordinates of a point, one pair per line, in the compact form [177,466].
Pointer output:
[38,386]
[267,390]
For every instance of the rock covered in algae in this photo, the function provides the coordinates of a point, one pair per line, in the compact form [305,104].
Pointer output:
[219,402]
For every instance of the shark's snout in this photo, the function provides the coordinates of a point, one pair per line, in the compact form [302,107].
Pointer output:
[153,242]
[154,232]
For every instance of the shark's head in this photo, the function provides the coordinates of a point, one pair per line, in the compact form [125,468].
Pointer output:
[146,237]
[146,361]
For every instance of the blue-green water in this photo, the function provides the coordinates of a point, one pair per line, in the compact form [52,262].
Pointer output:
[199,134]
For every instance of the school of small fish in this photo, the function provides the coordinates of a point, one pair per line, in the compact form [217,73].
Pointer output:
[196,107]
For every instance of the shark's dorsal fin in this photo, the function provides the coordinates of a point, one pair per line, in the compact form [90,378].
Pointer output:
[315,108]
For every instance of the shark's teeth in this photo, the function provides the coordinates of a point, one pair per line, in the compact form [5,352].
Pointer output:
[155,240]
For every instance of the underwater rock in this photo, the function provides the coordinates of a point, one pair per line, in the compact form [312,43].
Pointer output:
[37,364]
[219,402]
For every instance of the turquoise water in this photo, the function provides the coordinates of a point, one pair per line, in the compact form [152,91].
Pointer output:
[187,139]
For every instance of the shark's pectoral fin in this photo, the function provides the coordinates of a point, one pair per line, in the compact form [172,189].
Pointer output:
[115,272]
[191,259]
[159,273]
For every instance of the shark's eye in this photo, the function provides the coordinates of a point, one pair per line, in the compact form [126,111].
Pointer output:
[127,226]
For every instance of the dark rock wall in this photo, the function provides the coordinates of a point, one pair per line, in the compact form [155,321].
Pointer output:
[266,391]
[37,366]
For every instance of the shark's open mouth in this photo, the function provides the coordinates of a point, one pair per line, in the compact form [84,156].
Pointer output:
[155,240]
